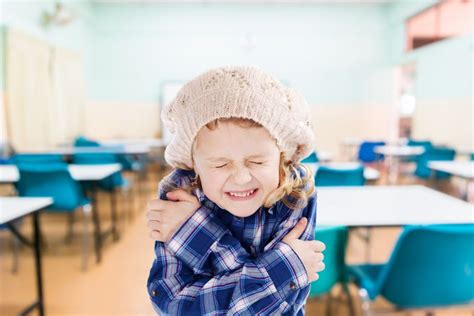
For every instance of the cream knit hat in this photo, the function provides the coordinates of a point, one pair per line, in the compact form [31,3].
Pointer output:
[241,92]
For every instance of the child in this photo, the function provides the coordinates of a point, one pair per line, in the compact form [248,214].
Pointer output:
[235,220]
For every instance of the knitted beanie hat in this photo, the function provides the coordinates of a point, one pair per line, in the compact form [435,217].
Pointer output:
[238,92]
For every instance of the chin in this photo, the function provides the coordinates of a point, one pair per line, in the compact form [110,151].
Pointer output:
[242,211]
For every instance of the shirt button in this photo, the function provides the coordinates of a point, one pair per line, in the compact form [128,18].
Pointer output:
[153,293]
[292,285]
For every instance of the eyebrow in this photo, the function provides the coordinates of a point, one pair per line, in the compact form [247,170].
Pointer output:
[212,159]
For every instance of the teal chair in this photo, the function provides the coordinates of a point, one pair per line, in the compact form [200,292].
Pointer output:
[128,162]
[431,266]
[54,180]
[426,144]
[335,238]
[312,158]
[434,154]
[326,176]
[37,158]
[367,152]
[111,184]
[82,141]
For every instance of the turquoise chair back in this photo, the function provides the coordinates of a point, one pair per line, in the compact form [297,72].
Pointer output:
[312,158]
[51,180]
[335,239]
[423,143]
[426,144]
[82,141]
[434,153]
[367,153]
[430,266]
[113,181]
[37,158]
[326,176]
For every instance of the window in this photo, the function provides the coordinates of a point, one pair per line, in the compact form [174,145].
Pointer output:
[448,18]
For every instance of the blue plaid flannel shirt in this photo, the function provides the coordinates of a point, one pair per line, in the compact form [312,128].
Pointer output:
[221,264]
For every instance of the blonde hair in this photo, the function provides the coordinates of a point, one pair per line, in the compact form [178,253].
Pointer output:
[294,189]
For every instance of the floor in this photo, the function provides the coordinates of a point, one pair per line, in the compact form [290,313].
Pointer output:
[117,286]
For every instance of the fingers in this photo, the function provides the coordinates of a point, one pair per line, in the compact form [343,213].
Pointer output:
[157,204]
[320,267]
[155,235]
[296,232]
[316,245]
[153,215]
[180,195]
[154,225]
[319,246]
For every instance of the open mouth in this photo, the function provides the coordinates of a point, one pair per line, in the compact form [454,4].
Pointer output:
[241,195]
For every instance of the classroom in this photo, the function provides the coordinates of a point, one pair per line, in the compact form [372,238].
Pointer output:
[237,157]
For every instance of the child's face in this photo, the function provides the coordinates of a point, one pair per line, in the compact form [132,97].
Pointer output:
[238,167]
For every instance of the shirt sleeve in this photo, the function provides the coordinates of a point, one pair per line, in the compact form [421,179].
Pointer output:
[258,287]
[204,243]
[214,274]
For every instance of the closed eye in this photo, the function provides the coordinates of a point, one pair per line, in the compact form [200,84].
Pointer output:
[221,166]
[257,162]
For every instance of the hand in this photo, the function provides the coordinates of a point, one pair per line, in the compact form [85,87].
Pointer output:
[309,251]
[164,218]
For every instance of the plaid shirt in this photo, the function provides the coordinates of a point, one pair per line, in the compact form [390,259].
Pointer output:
[221,264]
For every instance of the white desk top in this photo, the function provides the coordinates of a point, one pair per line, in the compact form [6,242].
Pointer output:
[324,156]
[150,142]
[389,206]
[464,151]
[116,149]
[369,173]
[399,150]
[463,169]
[15,207]
[10,174]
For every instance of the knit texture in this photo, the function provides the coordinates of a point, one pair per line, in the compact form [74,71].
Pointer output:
[240,92]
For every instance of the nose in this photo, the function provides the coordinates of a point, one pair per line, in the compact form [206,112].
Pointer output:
[241,175]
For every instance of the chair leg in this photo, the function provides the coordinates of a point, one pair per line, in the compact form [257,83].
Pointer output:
[329,304]
[350,302]
[365,304]
[16,244]
[70,228]
[367,246]
[86,210]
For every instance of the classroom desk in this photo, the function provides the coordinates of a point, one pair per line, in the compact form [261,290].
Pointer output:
[369,173]
[461,169]
[389,206]
[12,208]
[90,173]
[150,142]
[394,153]
[133,149]
[383,206]
[10,174]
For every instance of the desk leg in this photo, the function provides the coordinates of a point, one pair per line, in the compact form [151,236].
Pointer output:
[393,170]
[113,208]
[97,231]
[39,276]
